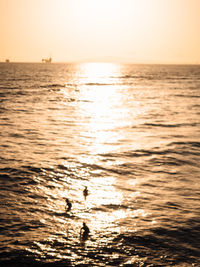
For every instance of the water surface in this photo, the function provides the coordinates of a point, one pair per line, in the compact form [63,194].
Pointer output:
[130,133]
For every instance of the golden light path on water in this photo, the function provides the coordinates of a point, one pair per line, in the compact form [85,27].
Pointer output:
[107,110]
[103,109]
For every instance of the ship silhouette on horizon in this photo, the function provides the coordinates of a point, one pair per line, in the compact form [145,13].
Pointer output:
[47,60]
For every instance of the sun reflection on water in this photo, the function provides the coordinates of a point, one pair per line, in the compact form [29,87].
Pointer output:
[102,110]
[100,106]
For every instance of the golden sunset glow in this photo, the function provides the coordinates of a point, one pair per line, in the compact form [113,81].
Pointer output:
[99,158]
[135,31]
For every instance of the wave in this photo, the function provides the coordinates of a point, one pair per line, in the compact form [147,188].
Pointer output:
[23,258]
[52,85]
[99,84]
[171,125]
[163,247]
[187,96]
[188,143]
[11,87]
[180,148]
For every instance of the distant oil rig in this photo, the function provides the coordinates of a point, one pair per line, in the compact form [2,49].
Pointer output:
[47,60]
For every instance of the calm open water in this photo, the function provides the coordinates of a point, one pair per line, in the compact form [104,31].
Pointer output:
[130,133]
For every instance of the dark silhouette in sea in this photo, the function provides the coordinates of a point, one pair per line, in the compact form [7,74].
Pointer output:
[85,192]
[84,232]
[68,205]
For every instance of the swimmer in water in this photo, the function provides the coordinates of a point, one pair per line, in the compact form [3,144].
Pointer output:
[84,232]
[68,205]
[85,192]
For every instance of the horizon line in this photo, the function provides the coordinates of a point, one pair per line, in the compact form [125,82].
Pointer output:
[105,62]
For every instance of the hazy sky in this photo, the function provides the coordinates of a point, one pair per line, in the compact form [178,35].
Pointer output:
[160,31]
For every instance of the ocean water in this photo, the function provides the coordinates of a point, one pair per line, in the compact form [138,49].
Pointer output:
[130,133]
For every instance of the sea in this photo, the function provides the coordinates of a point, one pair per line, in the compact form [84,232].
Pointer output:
[128,134]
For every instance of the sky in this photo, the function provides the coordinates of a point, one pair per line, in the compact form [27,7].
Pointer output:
[129,31]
